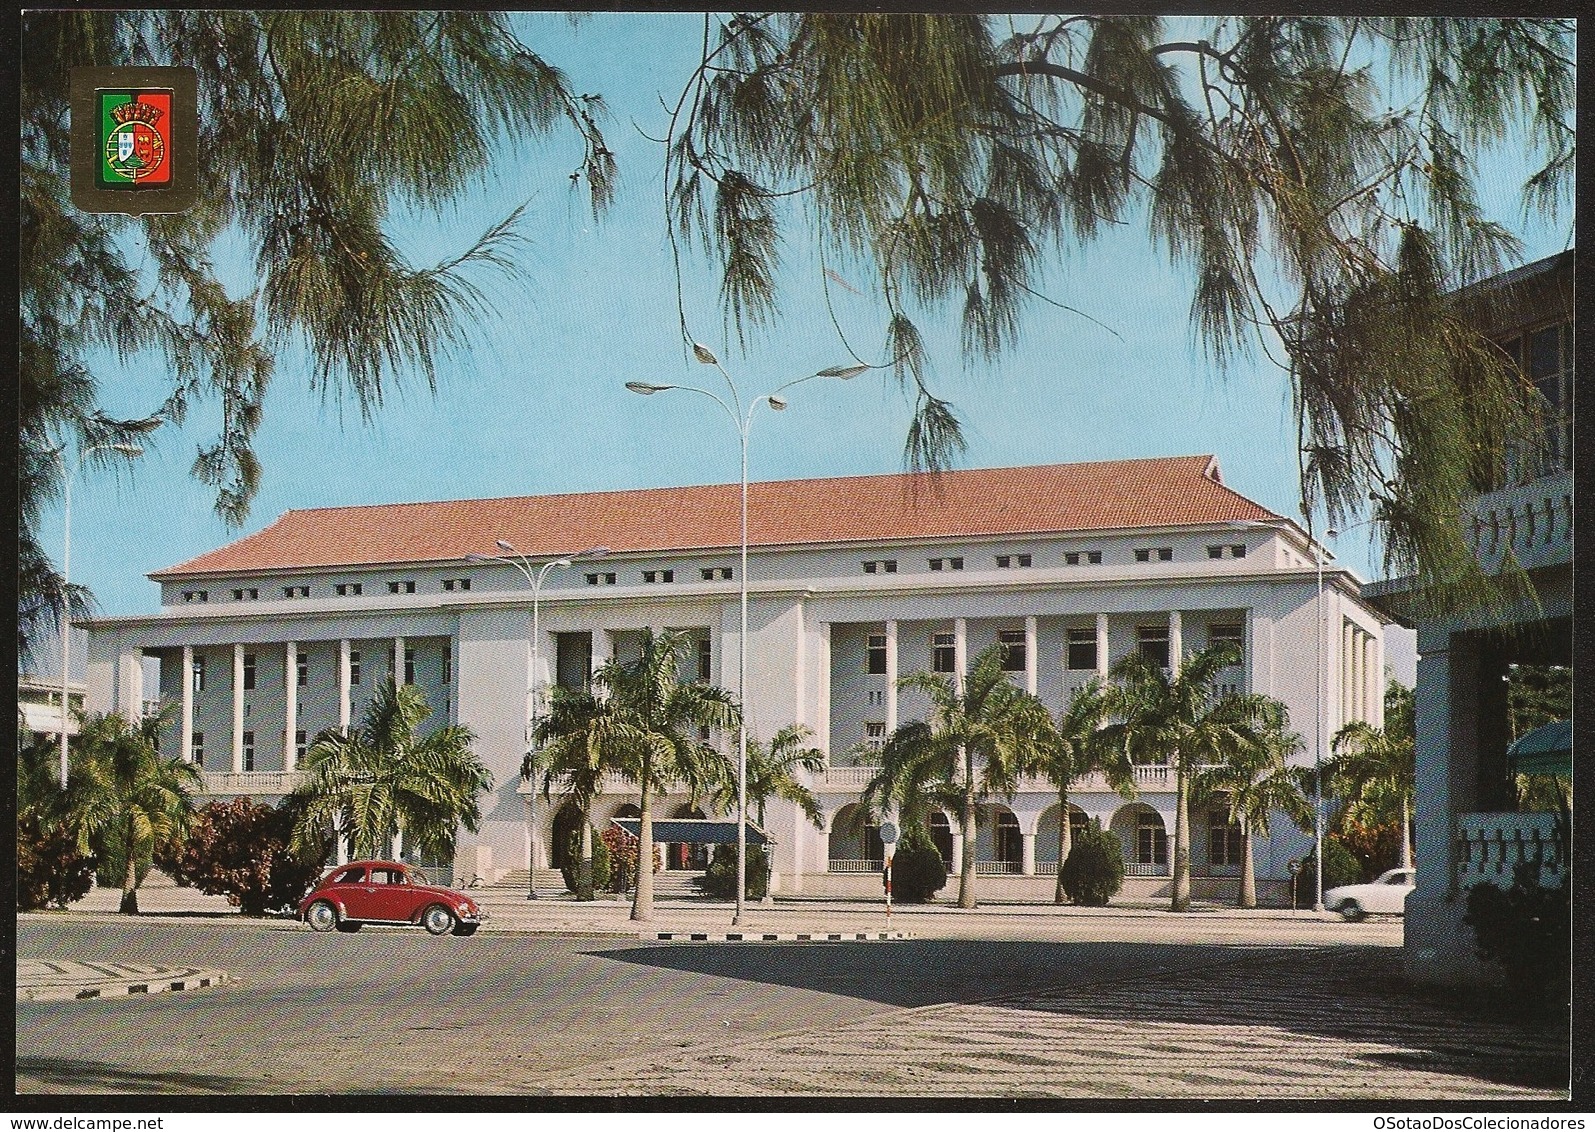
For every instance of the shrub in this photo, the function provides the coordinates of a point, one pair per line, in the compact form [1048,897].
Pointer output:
[572,859]
[622,848]
[51,873]
[918,872]
[1526,930]
[1094,872]
[719,880]
[1340,867]
[239,850]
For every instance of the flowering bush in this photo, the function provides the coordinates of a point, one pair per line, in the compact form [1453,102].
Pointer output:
[623,856]
[51,873]
[239,850]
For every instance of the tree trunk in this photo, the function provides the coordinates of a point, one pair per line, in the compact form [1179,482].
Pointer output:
[1248,897]
[966,823]
[642,904]
[584,867]
[1406,834]
[1181,900]
[130,875]
[1064,843]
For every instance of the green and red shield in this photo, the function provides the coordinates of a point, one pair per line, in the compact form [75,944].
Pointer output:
[135,139]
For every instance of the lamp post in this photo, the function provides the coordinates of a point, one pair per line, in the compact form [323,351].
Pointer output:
[68,470]
[534,675]
[742,422]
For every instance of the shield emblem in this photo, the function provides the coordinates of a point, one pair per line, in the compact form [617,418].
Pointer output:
[124,145]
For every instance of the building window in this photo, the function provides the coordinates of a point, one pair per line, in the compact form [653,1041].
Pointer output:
[715,573]
[401,587]
[1227,550]
[249,672]
[1151,842]
[452,584]
[448,663]
[881,566]
[409,666]
[1013,649]
[199,672]
[600,579]
[249,750]
[196,750]
[301,745]
[1224,846]
[946,563]
[943,653]
[705,659]
[658,575]
[349,589]
[1012,561]
[1083,557]
[1154,554]
[875,655]
[301,670]
[250,594]
[1546,356]
[874,736]
[354,666]
[1155,644]
[196,595]
[1228,633]
[296,591]
[1082,650]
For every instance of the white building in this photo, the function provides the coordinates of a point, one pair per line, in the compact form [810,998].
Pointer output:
[852,582]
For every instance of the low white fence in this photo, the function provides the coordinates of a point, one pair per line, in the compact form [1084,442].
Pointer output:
[1491,846]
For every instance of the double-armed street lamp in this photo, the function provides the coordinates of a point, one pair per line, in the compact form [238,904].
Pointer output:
[742,421]
[535,575]
[69,468]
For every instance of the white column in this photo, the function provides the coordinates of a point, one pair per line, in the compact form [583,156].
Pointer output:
[891,677]
[398,662]
[188,703]
[290,697]
[1346,649]
[1102,645]
[238,708]
[1379,679]
[960,651]
[1248,648]
[1030,655]
[956,865]
[1176,642]
[822,692]
[604,647]
[1027,852]
[343,685]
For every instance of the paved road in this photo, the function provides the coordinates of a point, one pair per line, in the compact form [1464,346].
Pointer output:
[515,1013]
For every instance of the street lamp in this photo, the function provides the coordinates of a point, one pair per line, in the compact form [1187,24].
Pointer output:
[68,470]
[742,422]
[534,675]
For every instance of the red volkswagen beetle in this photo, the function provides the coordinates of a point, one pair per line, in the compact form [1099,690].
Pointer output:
[387,892]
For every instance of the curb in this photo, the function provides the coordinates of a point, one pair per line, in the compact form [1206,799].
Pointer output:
[776,937]
[67,981]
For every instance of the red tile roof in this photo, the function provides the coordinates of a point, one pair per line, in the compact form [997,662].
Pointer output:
[1166,492]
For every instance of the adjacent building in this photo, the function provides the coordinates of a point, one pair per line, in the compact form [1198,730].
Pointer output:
[852,583]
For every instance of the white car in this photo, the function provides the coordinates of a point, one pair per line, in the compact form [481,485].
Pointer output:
[1387,895]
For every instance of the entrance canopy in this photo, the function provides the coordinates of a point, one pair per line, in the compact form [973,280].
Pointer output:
[693,831]
[1545,750]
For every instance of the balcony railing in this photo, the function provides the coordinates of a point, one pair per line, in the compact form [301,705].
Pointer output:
[232,784]
[1150,779]
[848,777]
[838,865]
[1491,846]
[1533,520]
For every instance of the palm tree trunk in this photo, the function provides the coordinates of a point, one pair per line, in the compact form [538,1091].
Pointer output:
[642,904]
[966,823]
[584,867]
[1181,900]
[130,874]
[1248,897]
[1064,838]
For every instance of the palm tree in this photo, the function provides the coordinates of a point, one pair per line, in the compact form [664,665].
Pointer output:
[128,797]
[644,728]
[1375,768]
[385,782]
[568,748]
[771,775]
[1070,748]
[1254,781]
[1176,718]
[978,738]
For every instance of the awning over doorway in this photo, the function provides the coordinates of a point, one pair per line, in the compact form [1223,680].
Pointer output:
[1545,750]
[693,831]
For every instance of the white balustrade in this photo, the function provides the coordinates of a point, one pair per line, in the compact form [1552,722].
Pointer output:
[1490,847]
[232,784]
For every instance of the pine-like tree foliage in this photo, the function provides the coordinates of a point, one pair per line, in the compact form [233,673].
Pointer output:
[1313,174]
[314,127]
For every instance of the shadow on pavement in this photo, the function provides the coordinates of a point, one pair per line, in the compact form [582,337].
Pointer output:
[1354,994]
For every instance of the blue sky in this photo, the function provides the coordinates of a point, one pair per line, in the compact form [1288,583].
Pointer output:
[535,402]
